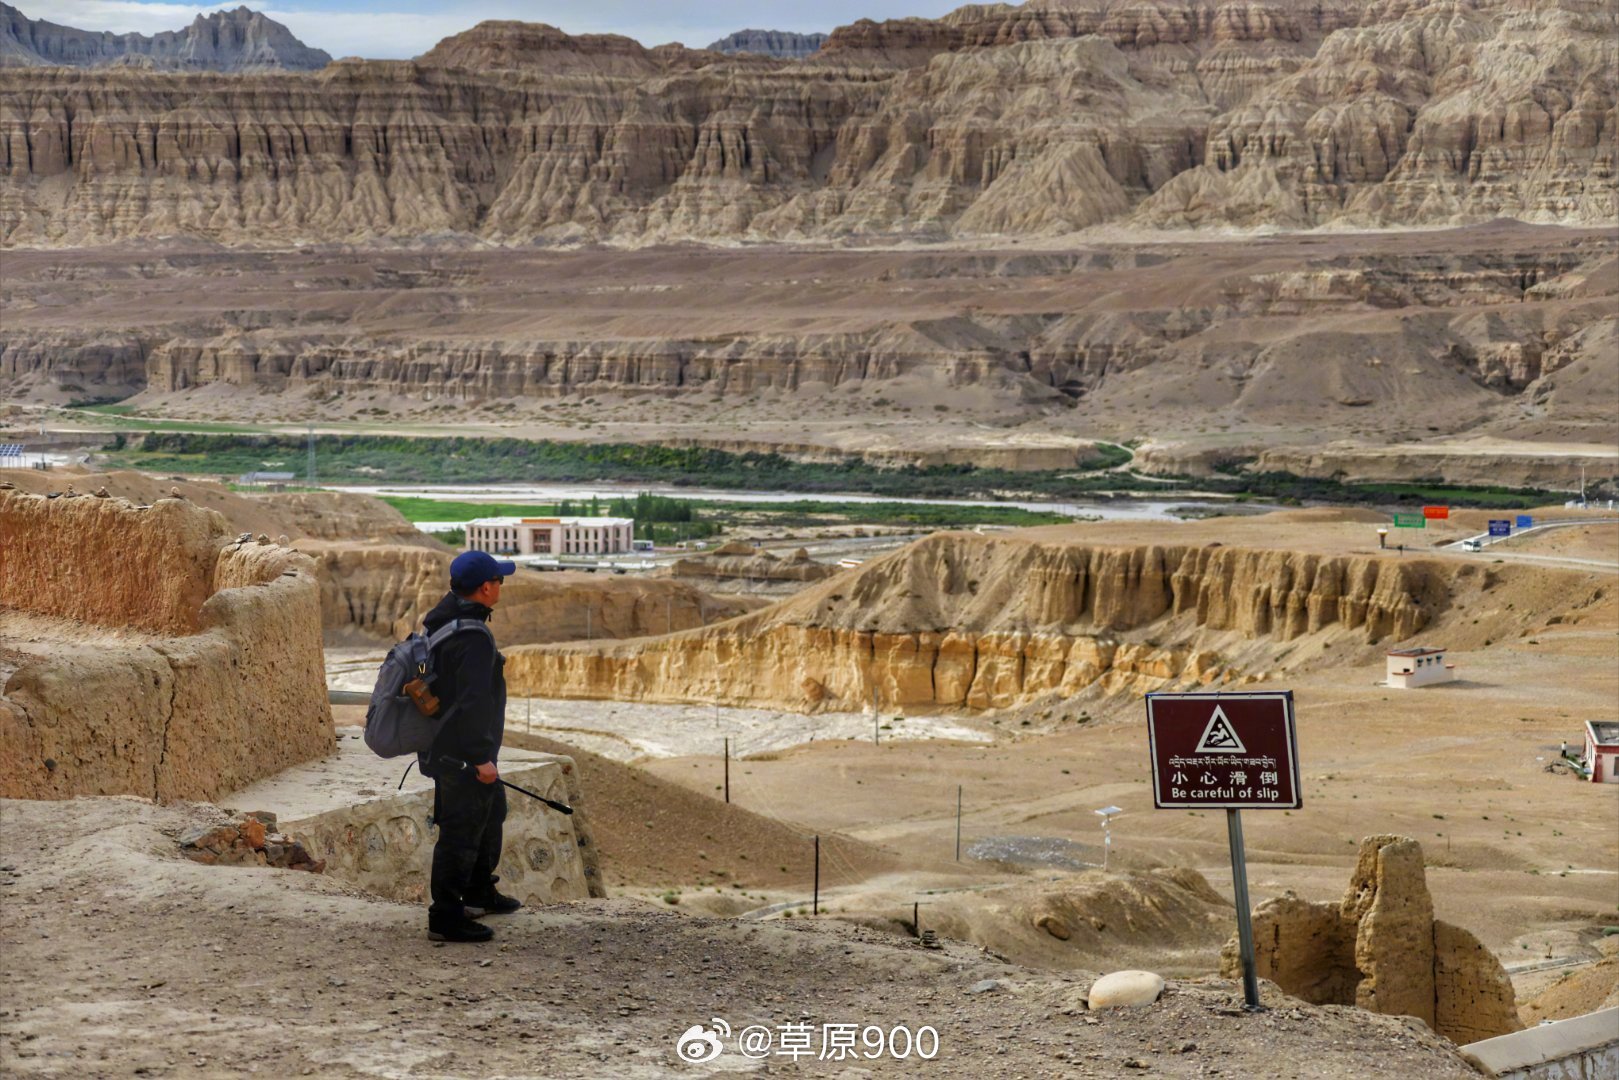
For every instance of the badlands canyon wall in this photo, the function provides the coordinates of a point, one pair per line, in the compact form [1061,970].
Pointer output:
[381,591]
[961,620]
[144,653]
[1505,329]
[1040,119]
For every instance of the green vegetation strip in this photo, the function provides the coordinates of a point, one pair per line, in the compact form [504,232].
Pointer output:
[399,460]
[802,513]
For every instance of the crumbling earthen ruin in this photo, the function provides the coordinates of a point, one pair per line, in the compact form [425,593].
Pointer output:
[145,652]
[1381,949]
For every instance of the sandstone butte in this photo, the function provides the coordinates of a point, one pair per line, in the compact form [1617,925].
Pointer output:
[1382,949]
[994,121]
[961,620]
[143,651]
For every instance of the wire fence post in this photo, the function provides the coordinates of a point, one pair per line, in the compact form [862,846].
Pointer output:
[727,769]
[815,904]
[529,703]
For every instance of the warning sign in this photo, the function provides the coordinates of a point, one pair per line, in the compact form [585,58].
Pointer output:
[1230,751]
[1218,736]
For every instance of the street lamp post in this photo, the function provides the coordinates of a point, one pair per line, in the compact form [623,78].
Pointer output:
[1107,814]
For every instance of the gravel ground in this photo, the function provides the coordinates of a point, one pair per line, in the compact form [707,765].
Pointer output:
[122,958]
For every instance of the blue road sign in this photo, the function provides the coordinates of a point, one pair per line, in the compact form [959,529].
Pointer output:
[1500,527]
[1525,521]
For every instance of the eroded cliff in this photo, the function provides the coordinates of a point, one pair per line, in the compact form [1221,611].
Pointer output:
[962,620]
[1505,330]
[381,591]
[994,121]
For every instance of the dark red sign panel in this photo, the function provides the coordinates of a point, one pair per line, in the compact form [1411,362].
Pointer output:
[1436,512]
[1228,751]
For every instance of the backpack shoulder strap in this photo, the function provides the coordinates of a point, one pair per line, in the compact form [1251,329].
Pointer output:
[454,626]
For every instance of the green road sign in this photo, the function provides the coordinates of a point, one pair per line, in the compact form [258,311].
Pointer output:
[1410,521]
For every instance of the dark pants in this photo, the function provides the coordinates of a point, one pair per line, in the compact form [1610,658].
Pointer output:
[470,817]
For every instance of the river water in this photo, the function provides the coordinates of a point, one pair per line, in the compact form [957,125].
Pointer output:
[1114,510]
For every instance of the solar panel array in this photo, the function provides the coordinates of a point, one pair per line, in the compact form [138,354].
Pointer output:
[10,449]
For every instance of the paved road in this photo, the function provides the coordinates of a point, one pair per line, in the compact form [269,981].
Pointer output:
[1493,544]
[1556,560]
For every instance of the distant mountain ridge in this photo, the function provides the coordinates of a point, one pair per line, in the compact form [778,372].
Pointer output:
[233,41]
[779,44]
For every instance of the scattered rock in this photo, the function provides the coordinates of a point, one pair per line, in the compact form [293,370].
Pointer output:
[1125,988]
[247,841]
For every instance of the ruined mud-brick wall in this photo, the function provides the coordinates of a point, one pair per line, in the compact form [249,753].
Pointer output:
[958,620]
[1381,949]
[150,655]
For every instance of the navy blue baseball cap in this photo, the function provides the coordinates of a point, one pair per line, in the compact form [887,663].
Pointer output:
[472,568]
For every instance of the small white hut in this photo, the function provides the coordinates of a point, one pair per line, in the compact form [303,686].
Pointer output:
[1420,666]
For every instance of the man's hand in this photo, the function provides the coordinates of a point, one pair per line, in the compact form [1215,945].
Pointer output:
[487,773]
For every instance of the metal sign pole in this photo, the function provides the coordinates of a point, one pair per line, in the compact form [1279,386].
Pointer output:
[1245,926]
[815,908]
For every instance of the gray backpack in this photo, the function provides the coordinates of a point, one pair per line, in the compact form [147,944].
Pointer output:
[394,724]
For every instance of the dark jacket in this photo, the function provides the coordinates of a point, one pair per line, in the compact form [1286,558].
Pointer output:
[471,683]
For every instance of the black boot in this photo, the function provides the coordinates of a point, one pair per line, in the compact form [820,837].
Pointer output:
[491,901]
[456,928]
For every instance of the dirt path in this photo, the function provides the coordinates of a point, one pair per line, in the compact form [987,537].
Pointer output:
[122,958]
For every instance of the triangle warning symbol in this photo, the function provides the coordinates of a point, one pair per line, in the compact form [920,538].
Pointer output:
[1220,737]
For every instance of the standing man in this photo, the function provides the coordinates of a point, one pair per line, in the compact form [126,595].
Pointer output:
[469,806]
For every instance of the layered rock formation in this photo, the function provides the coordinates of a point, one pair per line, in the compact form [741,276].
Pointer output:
[144,654]
[1397,339]
[383,590]
[776,44]
[1381,949]
[961,620]
[742,562]
[235,41]
[1035,120]
[528,47]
